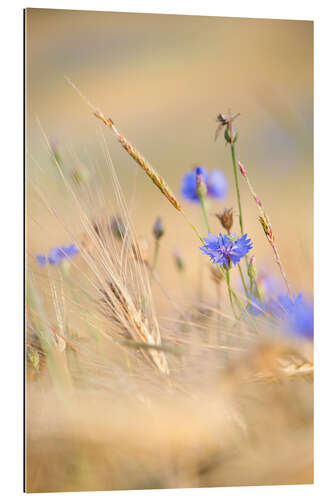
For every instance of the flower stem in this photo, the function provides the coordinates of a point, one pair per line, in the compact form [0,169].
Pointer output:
[233,155]
[204,212]
[243,279]
[156,251]
[230,292]
[234,164]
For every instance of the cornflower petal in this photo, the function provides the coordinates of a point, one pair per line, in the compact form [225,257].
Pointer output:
[217,185]
[41,259]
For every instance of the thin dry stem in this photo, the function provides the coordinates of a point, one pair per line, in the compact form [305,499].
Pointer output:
[266,225]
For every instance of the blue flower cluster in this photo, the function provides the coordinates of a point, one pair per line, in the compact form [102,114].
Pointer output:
[215,181]
[57,255]
[225,250]
[296,313]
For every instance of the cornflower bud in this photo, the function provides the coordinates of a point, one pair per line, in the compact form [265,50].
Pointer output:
[226,219]
[201,184]
[117,227]
[252,269]
[178,260]
[229,134]
[81,175]
[158,229]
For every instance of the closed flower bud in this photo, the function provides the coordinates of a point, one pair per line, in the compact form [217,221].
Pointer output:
[117,227]
[158,229]
[230,136]
[201,184]
[226,219]
[252,269]
[81,175]
[178,260]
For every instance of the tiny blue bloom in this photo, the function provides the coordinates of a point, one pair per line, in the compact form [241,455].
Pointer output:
[224,249]
[57,254]
[41,259]
[215,181]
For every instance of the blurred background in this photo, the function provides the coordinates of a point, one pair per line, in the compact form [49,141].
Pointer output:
[163,79]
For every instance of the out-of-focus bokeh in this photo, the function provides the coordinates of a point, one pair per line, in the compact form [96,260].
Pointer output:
[163,79]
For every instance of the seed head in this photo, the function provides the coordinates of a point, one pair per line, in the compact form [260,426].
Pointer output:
[226,219]
[266,225]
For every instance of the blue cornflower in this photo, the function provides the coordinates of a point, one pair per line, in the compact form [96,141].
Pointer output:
[215,181]
[226,250]
[297,313]
[57,254]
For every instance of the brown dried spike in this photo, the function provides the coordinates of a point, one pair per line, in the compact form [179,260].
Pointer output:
[155,177]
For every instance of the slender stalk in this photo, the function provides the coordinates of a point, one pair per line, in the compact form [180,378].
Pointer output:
[233,155]
[243,280]
[266,225]
[235,169]
[156,252]
[230,292]
[204,212]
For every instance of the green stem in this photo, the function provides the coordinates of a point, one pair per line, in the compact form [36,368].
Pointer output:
[234,164]
[156,250]
[204,212]
[230,292]
[243,279]
[251,287]
[233,155]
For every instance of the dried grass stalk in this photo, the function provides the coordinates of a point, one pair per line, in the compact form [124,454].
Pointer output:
[155,177]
